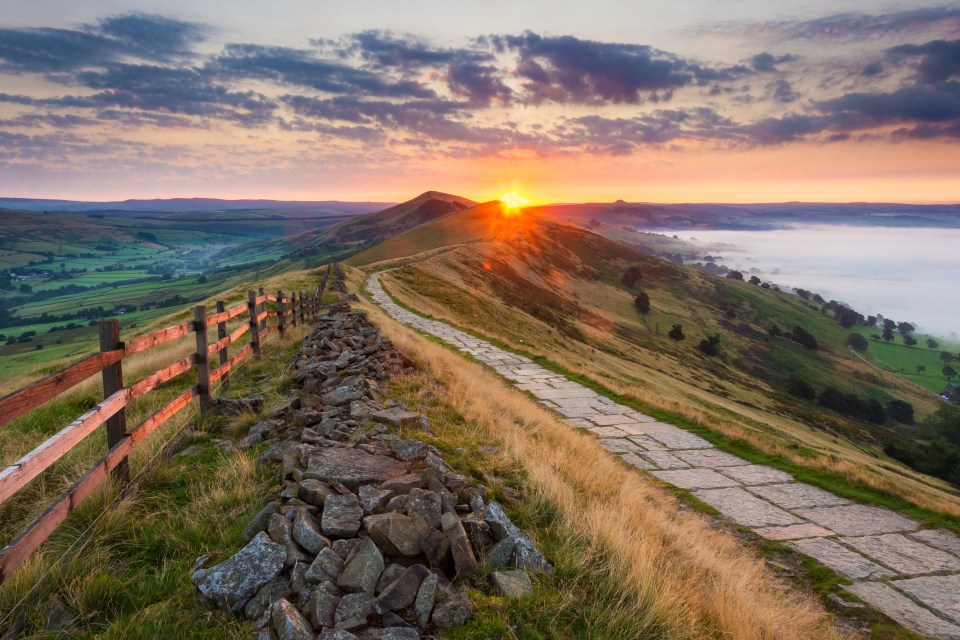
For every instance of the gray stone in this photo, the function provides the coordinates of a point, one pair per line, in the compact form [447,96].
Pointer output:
[326,567]
[423,603]
[436,548]
[391,573]
[314,492]
[397,533]
[336,634]
[322,606]
[904,610]
[396,417]
[359,409]
[259,522]
[744,508]
[306,531]
[526,555]
[281,532]
[425,505]
[840,559]
[513,584]
[904,555]
[793,532]
[233,582]
[341,396]
[858,520]
[353,467]
[797,495]
[696,478]
[939,538]
[453,612]
[401,593]
[363,567]
[398,503]
[403,484]
[752,474]
[341,516]
[409,450]
[941,593]
[664,460]
[636,461]
[391,633]
[460,547]
[353,611]
[499,555]
[373,499]
[288,623]
[708,458]
[345,547]
[266,596]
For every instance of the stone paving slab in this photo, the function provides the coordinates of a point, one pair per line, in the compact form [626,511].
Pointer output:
[753,474]
[939,592]
[939,538]
[840,559]
[904,555]
[664,460]
[647,443]
[744,508]
[904,610]
[562,394]
[708,457]
[858,520]
[606,432]
[618,445]
[637,461]
[796,495]
[605,420]
[695,479]
[682,440]
[793,532]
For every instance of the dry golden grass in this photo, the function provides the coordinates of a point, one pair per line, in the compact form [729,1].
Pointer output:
[674,569]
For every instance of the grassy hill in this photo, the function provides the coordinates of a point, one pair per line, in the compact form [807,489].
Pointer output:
[556,292]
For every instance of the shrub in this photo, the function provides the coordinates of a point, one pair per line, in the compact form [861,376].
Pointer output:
[901,411]
[799,387]
[857,341]
[676,333]
[802,336]
[642,302]
[711,345]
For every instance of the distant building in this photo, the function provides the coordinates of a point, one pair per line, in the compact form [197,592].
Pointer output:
[951,393]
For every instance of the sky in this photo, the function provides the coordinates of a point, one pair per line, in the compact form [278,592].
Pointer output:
[562,101]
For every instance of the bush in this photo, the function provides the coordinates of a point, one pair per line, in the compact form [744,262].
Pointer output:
[642,302]
[676,333]
[711,345]
[901,411]
[774,331]
[802,337]
[735,275]
[799,387]
[857,341]
[631,276]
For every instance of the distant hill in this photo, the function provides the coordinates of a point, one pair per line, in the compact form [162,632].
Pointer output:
[752,216]
[180,205]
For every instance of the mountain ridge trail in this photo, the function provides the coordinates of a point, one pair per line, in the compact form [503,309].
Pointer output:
[912,575]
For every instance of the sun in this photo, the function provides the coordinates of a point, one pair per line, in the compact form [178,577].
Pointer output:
[513,200]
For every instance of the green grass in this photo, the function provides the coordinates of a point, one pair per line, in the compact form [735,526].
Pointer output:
[903,360]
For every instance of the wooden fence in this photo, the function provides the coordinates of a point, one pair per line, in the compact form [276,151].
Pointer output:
[289,310]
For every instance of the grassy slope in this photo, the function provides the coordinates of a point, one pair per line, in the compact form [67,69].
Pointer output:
[577,315]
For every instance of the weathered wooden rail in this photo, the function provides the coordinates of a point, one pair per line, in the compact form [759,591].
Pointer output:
[111,411]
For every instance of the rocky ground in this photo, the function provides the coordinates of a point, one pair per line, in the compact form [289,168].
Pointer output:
[370,535]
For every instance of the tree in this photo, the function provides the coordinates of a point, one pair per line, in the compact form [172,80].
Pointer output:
[909,340]
[676,333]
[849,318]
[642,302]
[901,411]
[711,345]
[949,373]
[871,321]
[735,275]
[754,280]
[857,341]
[798,386]
[876,413]
[946,357]
[905,327]
[920,369]
[932,344]
[889,324]
[202,280]
[25,288]
[631,276]
[888,334]
[833,399]
[802,337]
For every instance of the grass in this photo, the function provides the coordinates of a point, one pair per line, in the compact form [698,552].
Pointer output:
[903,360]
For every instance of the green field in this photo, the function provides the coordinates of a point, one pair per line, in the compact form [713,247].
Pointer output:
[903,360]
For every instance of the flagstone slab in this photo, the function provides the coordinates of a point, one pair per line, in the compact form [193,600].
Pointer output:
[793,532]
[904,610]
[841,559]
[682,440]
[562,394]
[858,520]
[939,538]
[938,592]
[664,460]
[744,508]
[707,457]
[606,432]
[797,495]
[647,443]
[637,461]
[618,445]
[605,420]
[695,479]
[753,474]
[904,555]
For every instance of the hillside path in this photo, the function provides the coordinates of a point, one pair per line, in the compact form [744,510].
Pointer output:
[911,575]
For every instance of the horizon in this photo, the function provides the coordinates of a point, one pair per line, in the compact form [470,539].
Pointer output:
[688,103]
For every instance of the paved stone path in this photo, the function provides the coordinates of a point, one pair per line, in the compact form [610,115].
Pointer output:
[912,575]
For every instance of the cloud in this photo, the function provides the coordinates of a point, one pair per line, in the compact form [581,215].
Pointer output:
[566,69]
[154,36]
[921,104]
[939,60]
[767,62]
[850,25]
[780,90]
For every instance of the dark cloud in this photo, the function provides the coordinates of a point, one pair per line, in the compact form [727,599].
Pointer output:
[780,90]
[621,136]
[567,69]
[303,68]
[852,26]
[132,35]
[939,60]
[921,104]
[767,62]
[480,83]
[872,69]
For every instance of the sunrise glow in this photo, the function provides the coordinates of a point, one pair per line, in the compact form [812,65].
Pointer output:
[513,201]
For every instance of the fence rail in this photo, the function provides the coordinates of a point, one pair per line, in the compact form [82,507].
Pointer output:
[111,410]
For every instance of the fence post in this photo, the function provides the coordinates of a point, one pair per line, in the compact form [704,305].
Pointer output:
[254,329]
[280,319]
[221,334]
[113,382]
[293,309]
[263,307]
[202,362]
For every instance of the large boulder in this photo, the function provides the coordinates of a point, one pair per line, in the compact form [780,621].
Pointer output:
[396,417]
[234,581]
[513,584]
[352,467]
[396,533]
[341,516]
[452,612]
[526,556]
[460,547]
[401,593]
[363,567]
